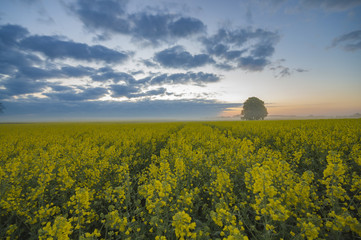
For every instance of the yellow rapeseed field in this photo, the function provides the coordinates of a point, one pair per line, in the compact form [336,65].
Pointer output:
[204,180]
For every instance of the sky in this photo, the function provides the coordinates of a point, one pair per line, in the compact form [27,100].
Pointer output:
[70,60]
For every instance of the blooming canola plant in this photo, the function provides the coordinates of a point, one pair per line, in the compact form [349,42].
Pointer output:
[204,180]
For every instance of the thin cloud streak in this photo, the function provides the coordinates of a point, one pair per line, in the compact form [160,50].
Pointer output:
[349,41]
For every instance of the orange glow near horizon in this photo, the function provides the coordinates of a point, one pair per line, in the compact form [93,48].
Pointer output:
[231,112]
[324,109]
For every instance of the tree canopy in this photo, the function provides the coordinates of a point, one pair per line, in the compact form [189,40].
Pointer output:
[254,109]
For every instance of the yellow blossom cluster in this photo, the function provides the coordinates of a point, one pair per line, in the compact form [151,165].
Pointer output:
[183,226]
[182,180]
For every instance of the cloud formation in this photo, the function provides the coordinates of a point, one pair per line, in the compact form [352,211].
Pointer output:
[243,48]
[228,49]
[107,15]
[178,57]
[108,74]
[24,73]
[135,91]
[135,88]
[199,79]
[111,17]
[18,86]
[53,47]
[10,34]
[72,95]
[19,58]
[349,41]
[10,55]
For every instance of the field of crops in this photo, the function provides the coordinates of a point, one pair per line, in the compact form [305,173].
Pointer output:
[203,180]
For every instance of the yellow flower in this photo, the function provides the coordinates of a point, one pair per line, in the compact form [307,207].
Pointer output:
[182,225]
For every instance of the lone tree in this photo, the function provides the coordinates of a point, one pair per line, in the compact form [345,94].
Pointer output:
[254,109]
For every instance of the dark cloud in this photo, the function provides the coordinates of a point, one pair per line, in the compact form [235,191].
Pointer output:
[158,91]
[184,27]
[108,74]
[110,17]
[39,73]
[35,73]
[263,51]
[238,38]
[153,28]
[60,88]
[10,34]
[234,54]
[11,57]
[25,75]
[78,71]
[177,57]
[23,72]
[199,78]
[252,64]
[53,47]
[215,48]
[123,90]
[162,27]
[247,49]
[20,86]
[17,74]
[349,41]
[72,95]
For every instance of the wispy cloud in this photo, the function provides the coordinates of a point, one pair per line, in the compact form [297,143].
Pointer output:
[281,71]
[349,41]
[332,5]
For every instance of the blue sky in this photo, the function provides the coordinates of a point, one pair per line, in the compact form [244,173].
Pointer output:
[199,59]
